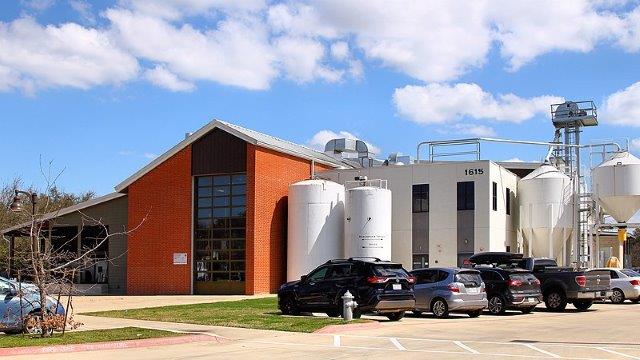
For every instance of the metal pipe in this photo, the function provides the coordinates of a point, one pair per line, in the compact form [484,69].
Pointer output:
[469,141]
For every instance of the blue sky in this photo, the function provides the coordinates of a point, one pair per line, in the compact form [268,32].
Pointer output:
[100,88]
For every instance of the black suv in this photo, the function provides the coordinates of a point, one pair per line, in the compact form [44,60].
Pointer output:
[377,286]
[508,289]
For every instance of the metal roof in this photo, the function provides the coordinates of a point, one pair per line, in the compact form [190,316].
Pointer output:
[68,210]
[248,135]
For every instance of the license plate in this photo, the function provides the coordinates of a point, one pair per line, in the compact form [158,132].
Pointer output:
[396,286]
[531,300]
[473,290]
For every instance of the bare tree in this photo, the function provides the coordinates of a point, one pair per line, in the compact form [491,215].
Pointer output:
[51,270]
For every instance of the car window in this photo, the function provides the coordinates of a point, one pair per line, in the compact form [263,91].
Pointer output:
[614,274]
[4,287]
[442,276]
[630,273]
[390,270]
[318,274]
[469,279]
[339,271]
[424,276]
[490,275]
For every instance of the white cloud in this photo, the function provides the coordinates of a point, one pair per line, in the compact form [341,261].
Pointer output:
[634,145]
[65,55]
[83,9]
[623,107]
[166,79]
[38,5]
[322,137]
[177,9]
[526,30]
[340,50]
[515,159]
[475,130]
[125,152]
[301,59]
[441,103]
[150,155]
[236,53]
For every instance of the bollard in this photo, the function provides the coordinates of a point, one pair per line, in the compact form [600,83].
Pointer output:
[348,304]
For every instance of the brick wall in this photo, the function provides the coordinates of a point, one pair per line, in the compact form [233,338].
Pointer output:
[165,194]
[269,174]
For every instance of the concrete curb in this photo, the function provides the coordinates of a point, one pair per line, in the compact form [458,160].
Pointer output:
[110,345]
[335,329]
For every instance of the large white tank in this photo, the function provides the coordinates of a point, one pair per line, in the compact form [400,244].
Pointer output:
[368,223]
[546,211]
[316,225]
[616,185]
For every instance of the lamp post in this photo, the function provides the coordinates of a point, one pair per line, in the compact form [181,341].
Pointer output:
[18,206]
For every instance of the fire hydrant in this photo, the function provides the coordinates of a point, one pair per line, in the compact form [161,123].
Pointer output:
[348,304]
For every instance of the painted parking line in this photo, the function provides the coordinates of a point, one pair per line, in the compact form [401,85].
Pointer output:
[460,344]
[397,344]
[336,340]
[548,353]
[618,353]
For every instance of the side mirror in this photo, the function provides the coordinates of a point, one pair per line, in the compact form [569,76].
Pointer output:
[303,278]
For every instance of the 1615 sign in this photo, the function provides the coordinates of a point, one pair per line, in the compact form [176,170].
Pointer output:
[471,172]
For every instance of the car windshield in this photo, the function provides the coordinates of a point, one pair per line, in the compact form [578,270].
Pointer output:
[522,277]
[390,270]
[469,279]
[630,273]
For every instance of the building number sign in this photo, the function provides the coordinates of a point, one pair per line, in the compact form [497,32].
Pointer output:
[471,172]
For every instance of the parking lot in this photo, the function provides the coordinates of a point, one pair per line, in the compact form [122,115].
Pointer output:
[605,332]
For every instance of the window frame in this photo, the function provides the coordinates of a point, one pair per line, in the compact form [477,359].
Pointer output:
[494,196]
[420,194]
[465,195]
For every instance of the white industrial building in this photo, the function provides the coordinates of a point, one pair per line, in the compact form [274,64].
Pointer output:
[442,212]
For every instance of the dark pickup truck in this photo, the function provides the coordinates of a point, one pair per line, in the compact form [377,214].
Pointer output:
[559,285]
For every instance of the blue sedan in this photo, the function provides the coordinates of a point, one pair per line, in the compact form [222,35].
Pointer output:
[23,316]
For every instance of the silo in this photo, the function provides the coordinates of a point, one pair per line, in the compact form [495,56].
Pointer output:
[315,225]
[368,222]
[616,185]
[546,211]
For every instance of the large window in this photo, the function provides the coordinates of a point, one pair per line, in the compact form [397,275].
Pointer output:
[466,195]
[508,201]
[220,227]
[420,197]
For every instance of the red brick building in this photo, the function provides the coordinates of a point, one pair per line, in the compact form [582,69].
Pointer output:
[209,216]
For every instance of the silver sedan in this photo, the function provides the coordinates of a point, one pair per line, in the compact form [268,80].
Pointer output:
[625,285]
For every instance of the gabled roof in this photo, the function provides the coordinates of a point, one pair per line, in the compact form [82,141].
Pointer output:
[68,210]
[248,135]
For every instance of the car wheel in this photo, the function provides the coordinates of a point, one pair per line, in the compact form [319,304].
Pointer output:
[583,305]
[497,305]
[527,310]
[396,316]
[617,297]
[555,301]
[288,306]
[439,308]
[33,325]
[474,314]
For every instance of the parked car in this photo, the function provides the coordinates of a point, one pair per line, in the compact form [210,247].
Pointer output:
[377,286]
[559,285]
[23,313]
[625,285]
[510,289]
[445,290]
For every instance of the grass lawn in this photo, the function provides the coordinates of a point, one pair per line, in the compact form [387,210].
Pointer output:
[82,337]
[260,313]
